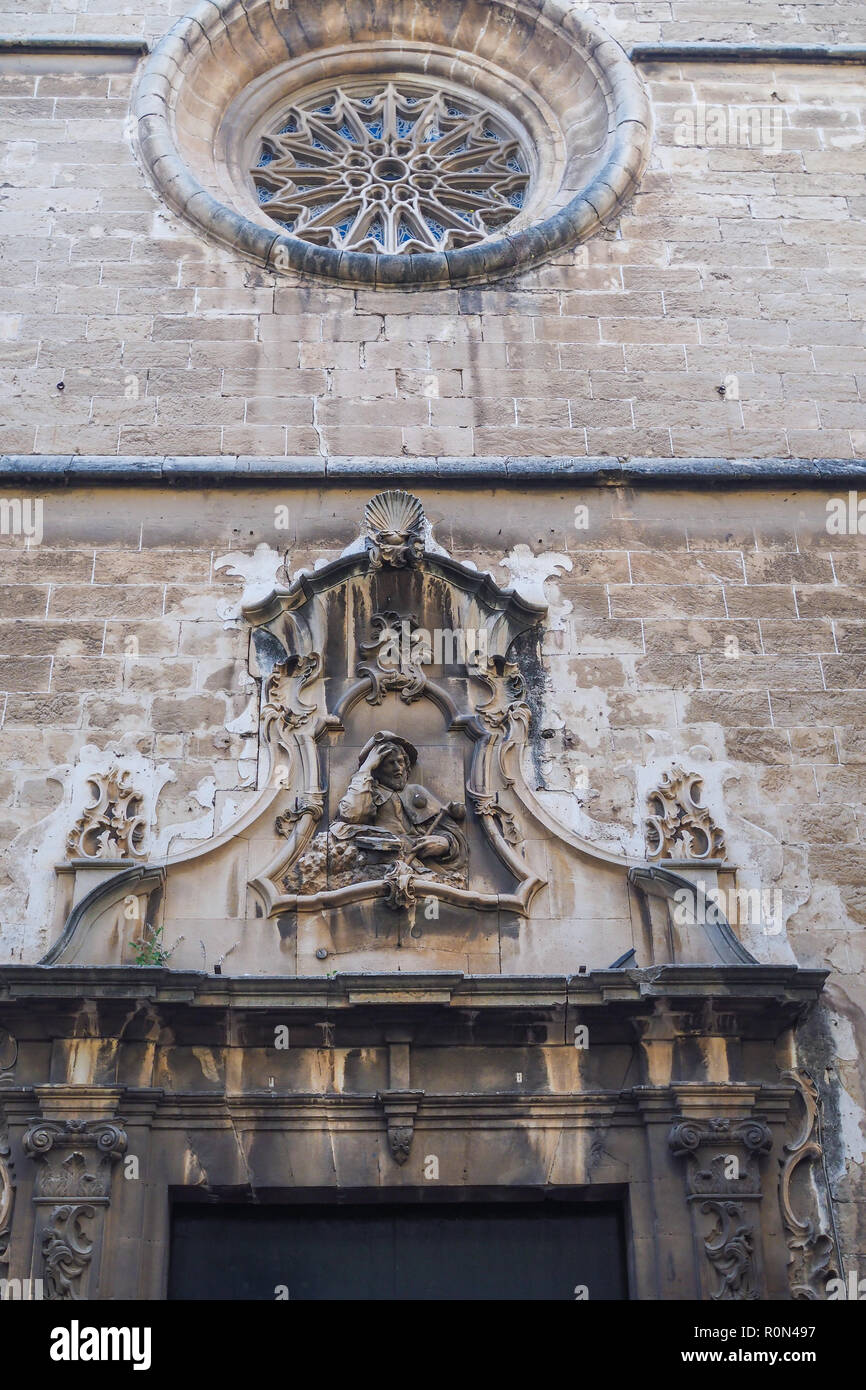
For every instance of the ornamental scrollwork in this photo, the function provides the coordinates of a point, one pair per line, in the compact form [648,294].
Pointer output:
[67,1250]
[679,826]
[111,826]
[730,1249]
[811,1248]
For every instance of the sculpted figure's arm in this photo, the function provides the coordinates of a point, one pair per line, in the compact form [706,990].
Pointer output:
[357,806]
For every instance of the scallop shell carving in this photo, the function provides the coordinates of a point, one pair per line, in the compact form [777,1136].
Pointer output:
[395,529]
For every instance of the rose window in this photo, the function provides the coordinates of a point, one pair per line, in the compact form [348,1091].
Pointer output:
[396,167]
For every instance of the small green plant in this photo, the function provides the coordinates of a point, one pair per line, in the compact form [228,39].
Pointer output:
[150,948]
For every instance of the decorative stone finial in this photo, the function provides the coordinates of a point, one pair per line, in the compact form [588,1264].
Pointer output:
[111,827]
[679,826]
[394,522]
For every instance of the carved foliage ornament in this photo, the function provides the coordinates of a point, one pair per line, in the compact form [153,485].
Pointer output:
[679,826]
[67,1250]
[111,826]
[7,1199]
[730,1249]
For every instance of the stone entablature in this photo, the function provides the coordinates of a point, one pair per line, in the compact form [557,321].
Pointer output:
[505,1080]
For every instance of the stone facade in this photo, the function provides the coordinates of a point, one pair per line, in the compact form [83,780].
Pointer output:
[632,467]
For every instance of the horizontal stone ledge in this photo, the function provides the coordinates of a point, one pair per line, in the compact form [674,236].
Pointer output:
[72,43]
[637,987]
[747,53]
[48,470]
[87,54]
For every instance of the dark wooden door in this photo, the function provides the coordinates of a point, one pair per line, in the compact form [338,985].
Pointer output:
[441,1250]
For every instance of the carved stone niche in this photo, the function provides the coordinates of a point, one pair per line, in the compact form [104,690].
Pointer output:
[393,811]
[75,1159]
[723,1189]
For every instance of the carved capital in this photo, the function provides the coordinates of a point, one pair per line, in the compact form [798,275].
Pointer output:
[74,1157]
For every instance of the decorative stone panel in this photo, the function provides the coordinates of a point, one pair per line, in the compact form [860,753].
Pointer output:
[74,1160]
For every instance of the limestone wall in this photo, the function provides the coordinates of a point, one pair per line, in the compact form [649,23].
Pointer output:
[722,316]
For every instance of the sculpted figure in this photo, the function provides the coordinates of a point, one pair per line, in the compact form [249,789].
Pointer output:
[383,811]
[387,827]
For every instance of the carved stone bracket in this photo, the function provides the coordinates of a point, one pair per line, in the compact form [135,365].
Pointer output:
[722,1177]
[72,1190]
[678,825]
[111,826]
[400,1109]
[803,1188]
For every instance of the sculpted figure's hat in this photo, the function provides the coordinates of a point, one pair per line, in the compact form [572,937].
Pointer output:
[385,736]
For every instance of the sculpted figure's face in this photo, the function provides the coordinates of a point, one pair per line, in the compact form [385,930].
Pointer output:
[393,770]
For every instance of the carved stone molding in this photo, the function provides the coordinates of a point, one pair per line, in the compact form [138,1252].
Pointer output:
[400,1108]
[72,1190]
[311,804]
[722,1177]
[111,826]
[678,825]
[7,1199]
[803,1188]
[8,1057]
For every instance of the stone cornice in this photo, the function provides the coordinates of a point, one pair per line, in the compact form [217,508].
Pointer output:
[636,988]
[747,53]
[48,470]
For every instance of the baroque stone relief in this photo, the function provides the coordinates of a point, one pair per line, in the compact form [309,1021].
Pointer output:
[392,835]
[393,789]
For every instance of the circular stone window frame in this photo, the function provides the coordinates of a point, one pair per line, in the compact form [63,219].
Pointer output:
[246,46]
[259,105]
